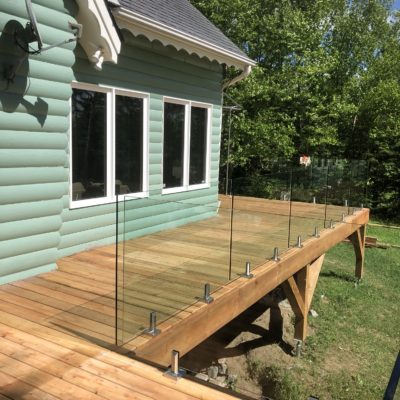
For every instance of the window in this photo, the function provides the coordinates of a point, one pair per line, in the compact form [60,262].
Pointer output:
[185,145]
[108,144]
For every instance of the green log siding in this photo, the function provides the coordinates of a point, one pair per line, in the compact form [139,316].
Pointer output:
[34,124]
[37,226]
[151,68]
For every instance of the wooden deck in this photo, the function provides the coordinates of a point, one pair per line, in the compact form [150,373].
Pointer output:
[58,330]
[40,359]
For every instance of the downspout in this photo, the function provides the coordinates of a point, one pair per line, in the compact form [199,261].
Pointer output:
[243,75]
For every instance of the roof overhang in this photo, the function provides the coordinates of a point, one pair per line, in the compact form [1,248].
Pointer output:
[100,39]
[139,25]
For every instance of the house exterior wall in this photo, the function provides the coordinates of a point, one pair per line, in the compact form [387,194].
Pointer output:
[38,226]
[34,123]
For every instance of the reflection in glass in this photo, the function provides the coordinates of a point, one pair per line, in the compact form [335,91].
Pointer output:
[174,129]
[129,144]
[89,144]
[198,145]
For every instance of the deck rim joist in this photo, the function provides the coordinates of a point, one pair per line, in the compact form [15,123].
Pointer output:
[236,296]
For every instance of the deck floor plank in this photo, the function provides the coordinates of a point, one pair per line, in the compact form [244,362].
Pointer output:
[57,330]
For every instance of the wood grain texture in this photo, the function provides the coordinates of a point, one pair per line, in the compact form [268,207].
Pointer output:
[57,330]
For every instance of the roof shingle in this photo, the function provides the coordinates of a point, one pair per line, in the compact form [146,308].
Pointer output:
[184,17]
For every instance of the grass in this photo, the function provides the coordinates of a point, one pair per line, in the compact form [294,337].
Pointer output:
[356,336]
[385,234]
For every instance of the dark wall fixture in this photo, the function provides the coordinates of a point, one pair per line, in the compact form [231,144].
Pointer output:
[16,45]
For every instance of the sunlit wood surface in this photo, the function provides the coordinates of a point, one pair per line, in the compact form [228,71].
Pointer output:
[58,332]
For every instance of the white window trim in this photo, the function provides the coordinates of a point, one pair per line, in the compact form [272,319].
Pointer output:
[111,197]
[186,158]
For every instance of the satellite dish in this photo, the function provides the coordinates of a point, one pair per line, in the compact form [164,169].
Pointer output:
[33,24]
[31,33]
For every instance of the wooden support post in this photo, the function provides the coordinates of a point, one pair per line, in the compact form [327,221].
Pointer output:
[300,292]
[357,238]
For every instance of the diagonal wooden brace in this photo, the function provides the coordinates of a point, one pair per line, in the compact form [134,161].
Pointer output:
[357,238]
[300,291]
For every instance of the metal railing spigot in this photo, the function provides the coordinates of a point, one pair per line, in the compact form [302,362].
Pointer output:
[207,298]
[275,257]
[152,330]
[175,371]
[247,273]
[299,244]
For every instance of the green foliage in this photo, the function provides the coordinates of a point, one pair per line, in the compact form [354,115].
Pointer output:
[327,84]
[355,340]
[275,381]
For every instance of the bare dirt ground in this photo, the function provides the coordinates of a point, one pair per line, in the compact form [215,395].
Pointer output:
[263,332]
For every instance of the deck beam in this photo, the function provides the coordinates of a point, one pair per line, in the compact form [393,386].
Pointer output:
[235,297]
[357,238]
[300,292]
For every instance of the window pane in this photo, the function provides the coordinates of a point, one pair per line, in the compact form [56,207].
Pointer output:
[198,145]
[174,133]
[89,152]
[129,144]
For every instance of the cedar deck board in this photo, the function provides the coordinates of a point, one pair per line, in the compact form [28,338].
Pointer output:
[76,312]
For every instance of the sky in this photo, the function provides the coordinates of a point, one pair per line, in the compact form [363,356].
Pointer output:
[396,5]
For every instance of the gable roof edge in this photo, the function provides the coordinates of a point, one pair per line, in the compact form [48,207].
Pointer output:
[140,25]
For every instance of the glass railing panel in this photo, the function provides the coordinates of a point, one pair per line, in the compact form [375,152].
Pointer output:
[260,219]
[170,251]
[308,196]
[339,185]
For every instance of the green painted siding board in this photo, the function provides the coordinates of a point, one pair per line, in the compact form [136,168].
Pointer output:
[53,107]
[25,176]
[48,71]
[27,193]
[177,75]
[24,211]
[55,90]
[45,15]
[25,122]
[67,6]
[170,61]
[32,271]
[28,244]
[88,212]
[25,262]
[49,34]
[80,225]
[92,235]
[20,229]
[181,56]
[32,158]
[32,140]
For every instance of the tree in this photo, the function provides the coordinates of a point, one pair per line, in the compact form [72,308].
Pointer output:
[326,83]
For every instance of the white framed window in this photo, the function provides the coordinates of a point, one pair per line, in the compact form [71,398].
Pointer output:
[108,144]
[186,145]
